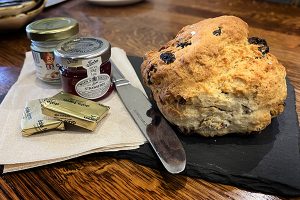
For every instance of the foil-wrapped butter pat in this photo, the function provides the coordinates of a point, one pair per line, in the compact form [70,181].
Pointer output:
[75,110]
[33,121]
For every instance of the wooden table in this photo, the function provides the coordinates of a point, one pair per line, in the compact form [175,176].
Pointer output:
[137,29]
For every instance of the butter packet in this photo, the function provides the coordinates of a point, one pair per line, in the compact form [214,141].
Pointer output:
[75,110]
[33,121]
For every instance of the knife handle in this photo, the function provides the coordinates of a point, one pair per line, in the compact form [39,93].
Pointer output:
[117,77]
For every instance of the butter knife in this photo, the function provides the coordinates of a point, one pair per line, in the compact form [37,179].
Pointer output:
[155,128]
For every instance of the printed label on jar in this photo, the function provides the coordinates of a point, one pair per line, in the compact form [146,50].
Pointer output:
[96,84]
[46,67]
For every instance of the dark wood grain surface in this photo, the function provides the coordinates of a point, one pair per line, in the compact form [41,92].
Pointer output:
[137,29]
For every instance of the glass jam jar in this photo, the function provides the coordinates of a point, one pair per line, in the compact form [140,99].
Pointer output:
[85,67]
[45,35]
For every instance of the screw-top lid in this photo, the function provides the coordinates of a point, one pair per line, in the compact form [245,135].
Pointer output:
[56,28]
[82,48]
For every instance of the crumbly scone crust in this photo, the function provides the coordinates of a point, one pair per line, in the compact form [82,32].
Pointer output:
[212,79]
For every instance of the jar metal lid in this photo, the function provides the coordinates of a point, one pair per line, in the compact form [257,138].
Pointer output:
[81,49]
[56,28]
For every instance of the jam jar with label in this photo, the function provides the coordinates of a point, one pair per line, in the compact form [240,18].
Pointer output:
[85,67]
[45,35]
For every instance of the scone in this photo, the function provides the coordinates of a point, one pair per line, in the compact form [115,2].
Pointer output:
[213,79]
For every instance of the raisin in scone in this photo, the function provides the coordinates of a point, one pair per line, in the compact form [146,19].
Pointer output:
[213,79]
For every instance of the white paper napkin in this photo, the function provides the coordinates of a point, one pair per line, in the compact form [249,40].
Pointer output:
[117,131]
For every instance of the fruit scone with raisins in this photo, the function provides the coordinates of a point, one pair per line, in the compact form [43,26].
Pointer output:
[213,79]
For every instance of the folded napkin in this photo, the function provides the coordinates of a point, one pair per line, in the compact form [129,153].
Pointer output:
[117,131]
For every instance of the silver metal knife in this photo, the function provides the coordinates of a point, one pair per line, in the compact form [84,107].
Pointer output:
[155,128]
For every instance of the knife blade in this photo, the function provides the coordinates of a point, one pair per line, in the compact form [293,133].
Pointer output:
[155,128]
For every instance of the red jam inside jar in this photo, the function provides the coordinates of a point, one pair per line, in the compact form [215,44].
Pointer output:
[85,67]
[70,76]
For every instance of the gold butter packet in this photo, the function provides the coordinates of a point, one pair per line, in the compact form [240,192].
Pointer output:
[33,121]
[75,110]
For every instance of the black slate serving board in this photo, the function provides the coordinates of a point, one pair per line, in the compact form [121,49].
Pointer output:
[268,162]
